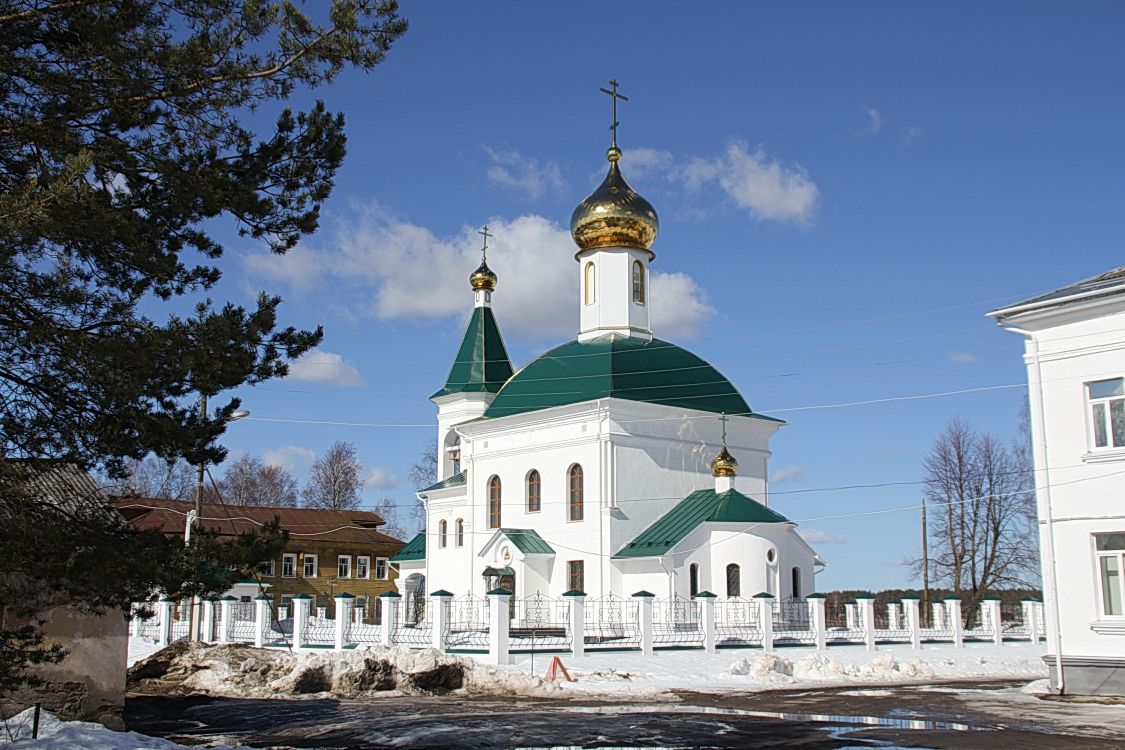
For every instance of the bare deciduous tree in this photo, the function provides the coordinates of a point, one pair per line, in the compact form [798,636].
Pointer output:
[424,471]
[154,477]
[335,479]
[982,534]
[250,481]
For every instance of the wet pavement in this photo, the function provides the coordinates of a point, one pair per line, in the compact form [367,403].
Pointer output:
[976,716]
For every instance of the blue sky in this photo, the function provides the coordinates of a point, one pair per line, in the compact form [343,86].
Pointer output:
[844,191]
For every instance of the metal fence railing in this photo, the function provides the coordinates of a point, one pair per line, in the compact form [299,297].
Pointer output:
[539,622]
[612,622]
[676,623]
[737,623]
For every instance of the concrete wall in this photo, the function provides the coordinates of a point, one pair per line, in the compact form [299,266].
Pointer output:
[89,684]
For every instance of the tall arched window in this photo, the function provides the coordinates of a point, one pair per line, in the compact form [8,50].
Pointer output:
[441,529]
[494,502]
[693,578]
[534,491]
[796,582]
[574,493]
[588,283]
[638,282]
[734,580]
[460,533]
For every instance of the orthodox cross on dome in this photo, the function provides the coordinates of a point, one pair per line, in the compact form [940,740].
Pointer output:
[615,97]
[724,419]
[484,248]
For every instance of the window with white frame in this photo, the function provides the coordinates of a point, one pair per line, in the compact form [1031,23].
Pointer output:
[344,566]
[363,567]
[1110,549]
[267,569]
[381,568]
[310,566]
[288,566]
[1107,413]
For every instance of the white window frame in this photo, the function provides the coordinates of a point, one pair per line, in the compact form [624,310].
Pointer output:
[363,563]
[385,563]
[1107,416]
[268,568]
[1119,555]
[314,560]
[341,571]
[289,557]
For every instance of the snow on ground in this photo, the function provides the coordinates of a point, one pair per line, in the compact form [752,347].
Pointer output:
[141,648]
[750,670]
[54,734]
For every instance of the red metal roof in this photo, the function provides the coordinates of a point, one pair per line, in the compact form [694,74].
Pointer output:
[168,517]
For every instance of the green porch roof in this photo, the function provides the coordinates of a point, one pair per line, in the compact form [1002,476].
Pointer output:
[612,366]
[697,508]
[481,364]
[415,549]
[457,480]
[528,541]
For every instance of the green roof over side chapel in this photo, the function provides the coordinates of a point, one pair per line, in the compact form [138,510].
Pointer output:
[481,364]
[699,507]
[415,549]
[624,367]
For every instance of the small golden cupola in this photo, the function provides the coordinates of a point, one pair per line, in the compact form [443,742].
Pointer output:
[724,467]
[614,215]
[483,279]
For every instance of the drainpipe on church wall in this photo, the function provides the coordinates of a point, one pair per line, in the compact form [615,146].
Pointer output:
[671,578]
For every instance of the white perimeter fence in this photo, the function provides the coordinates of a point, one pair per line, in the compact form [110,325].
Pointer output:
[500,625]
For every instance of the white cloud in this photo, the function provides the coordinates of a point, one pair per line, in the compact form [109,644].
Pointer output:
[874,121]
[644,162]
[393,269]
[788,474]
[912,134]
[962,358]
[380,477]
[529,176]
[769,190]
[293,458]
[319,366]
[816,536]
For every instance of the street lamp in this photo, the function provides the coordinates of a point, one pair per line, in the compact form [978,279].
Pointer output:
[196,516]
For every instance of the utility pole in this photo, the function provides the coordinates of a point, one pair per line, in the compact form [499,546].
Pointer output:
[196,605]
[925,567]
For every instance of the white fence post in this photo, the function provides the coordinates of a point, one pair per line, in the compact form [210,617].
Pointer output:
[344,602]
[359,613]
[301,604]
[990,609]
[208,634]
[956,622]
[261,619]
[322,611]
[851,612]
[893,611]
[577,601]
[816,620]
[137,623]
[226,614]
[498,600]
[866,610]
[390,617]
[1040,621]
[164,636]
[441,601]
[765,619]
[707,619]
[644,603]
[937,616]
[913,621]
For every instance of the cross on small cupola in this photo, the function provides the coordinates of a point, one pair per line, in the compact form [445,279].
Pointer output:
[724,467]
[483,280]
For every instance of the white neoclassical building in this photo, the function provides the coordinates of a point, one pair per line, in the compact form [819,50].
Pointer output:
[613,463]
[1075,355]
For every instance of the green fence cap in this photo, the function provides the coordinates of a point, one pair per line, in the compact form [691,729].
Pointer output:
[574,592]
[644,595]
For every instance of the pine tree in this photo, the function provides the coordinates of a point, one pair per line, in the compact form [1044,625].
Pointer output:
[122,148]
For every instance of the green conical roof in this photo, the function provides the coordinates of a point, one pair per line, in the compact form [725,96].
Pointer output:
[611,366]
[482,364]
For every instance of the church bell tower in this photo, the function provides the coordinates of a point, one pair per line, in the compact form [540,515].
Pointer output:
[614,228]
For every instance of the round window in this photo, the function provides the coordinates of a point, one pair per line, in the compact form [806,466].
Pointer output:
[771,556]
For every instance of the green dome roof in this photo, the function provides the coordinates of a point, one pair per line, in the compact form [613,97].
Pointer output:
[611,366]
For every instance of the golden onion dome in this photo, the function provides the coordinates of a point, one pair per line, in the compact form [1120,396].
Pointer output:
[724,464]
[483,278]
[614,215]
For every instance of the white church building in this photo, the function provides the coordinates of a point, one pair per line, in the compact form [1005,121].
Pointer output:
[614,463]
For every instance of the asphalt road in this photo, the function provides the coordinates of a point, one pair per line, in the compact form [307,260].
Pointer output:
[966,716]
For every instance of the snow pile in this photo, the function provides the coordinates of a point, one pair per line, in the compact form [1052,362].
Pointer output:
[54,734]
[818,667]
[243,671]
